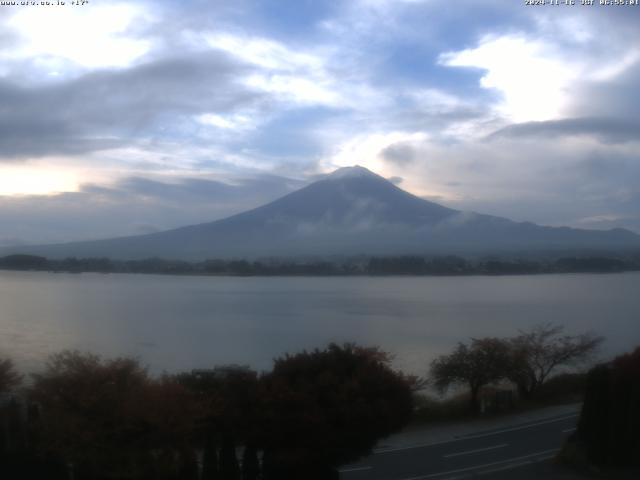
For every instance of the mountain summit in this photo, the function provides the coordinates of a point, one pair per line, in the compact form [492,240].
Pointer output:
[351,172]
[348,212]
[349,199]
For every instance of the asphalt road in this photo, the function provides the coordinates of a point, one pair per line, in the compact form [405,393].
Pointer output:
[491,451]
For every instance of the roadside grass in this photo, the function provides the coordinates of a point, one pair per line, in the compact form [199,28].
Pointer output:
[562,389]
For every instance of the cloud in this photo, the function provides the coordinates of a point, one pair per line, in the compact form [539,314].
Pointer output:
[466,101]
[369,150]
[87,37]
[132,206]
[399,153]
[556,182]
[532,82]
[193,190]
[288,74]
[107,109]
[16,179]
[538,83]
[615,97]
[609,130]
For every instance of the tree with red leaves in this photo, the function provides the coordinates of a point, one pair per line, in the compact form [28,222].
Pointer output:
[324,408]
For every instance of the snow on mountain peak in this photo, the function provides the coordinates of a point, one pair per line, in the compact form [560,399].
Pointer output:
[351,172]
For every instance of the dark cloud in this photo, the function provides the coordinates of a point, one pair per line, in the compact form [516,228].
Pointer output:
[110,108]
[617,97]
[555,182]
[400,154]
[133,206]
[192,189]
[198,189]
[435,118]
[608,130]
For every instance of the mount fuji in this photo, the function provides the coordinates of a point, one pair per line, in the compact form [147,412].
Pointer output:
[351,211]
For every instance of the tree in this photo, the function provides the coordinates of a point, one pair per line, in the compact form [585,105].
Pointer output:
[106,416]
[9,377]
[23,262]
[229,467]
[536,353]
[210,470]
[476,365]
[227,396]
[609,422]
[328,407]
[250,463]
[87,405]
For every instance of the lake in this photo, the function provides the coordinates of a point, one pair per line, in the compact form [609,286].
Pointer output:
[176,323]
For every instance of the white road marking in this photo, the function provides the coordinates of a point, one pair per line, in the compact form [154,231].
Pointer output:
[354,469]
[521,427]
[567,430]
[479,435]
[511,466]
[545,454]
[468,452]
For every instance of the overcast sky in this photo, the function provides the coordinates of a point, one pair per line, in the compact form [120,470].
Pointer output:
[123,118]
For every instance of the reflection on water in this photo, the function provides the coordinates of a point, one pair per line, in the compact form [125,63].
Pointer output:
[176,323]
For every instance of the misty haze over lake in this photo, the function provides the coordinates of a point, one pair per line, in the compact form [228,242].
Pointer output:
[177,323]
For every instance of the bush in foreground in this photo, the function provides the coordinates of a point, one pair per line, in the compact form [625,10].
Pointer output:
[105,417]
[329,407]
[110,419]
[608,433]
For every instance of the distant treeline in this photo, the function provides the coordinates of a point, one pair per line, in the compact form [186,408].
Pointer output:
[391,265]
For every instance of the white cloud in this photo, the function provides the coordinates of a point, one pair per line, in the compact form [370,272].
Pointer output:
[36,180]
[295,88]
[610,70]
[226,122]
[534,84]
[266,53]
[365,150]
[289,74]
[537,82]
[90,37]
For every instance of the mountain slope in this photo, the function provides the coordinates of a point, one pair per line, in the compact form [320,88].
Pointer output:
[351,211]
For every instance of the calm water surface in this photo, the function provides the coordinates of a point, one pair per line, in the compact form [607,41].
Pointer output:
[176,323]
